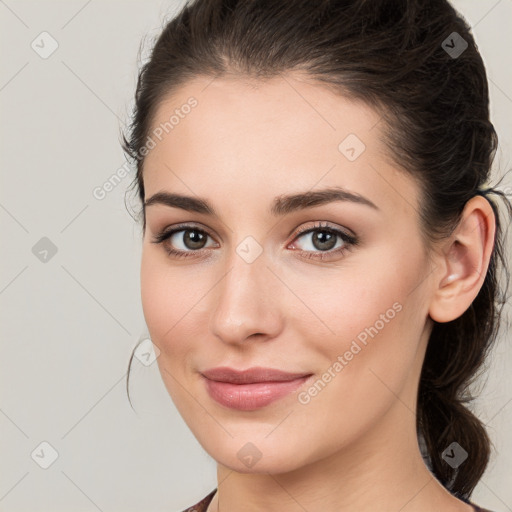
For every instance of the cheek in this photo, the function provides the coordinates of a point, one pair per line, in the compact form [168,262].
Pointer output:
[367,365]
[375,317]
[371,299]
[366,330]
[163,297]
[165,305]
[174,299]
[154,295]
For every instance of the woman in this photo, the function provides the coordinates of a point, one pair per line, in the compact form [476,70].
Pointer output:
[320,248]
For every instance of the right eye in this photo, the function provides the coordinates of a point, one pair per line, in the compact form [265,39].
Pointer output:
[190,238]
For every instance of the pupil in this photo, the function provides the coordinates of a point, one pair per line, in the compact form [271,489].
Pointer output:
[193,239]
[324,237]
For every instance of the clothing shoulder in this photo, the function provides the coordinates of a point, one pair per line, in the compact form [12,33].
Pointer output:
[202,505]
[480,509]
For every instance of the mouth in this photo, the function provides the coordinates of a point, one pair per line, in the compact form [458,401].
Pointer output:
[256,374]
[250,389]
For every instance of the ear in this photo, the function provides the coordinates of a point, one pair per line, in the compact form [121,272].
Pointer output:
[463,261]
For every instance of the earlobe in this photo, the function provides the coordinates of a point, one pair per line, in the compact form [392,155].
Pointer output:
[463,261]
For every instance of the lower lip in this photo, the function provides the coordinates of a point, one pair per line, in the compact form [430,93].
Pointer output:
[248,397]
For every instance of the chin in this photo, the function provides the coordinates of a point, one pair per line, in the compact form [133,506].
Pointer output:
[260,455]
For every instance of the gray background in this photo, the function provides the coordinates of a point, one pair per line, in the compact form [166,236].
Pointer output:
[69,323]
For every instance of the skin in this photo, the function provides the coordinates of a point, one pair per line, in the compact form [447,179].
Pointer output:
[354,444]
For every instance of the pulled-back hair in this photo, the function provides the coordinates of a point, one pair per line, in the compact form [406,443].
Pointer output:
[408,59]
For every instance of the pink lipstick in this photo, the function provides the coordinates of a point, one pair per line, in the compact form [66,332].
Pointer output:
[250,389]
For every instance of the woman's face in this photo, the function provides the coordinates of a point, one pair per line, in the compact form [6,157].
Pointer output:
[253,292]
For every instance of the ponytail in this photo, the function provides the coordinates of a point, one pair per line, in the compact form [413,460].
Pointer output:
[457,444]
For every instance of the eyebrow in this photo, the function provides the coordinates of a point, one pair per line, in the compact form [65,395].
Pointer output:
[282,205]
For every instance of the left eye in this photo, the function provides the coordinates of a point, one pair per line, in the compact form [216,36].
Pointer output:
[323,239]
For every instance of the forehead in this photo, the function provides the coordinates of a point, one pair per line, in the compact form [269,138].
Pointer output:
[255,139]
[290,107]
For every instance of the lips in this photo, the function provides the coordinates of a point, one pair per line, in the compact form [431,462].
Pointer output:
[250,389]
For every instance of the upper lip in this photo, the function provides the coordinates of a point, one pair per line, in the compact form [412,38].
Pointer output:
[251,375]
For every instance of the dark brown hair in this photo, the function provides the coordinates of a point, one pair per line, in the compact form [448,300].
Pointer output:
[409,60]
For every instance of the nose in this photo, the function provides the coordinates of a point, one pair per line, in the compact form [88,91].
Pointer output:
[246,302]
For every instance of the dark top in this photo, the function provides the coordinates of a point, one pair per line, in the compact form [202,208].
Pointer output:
[203,504]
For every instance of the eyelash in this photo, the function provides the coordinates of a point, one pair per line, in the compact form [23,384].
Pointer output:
[350,241]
